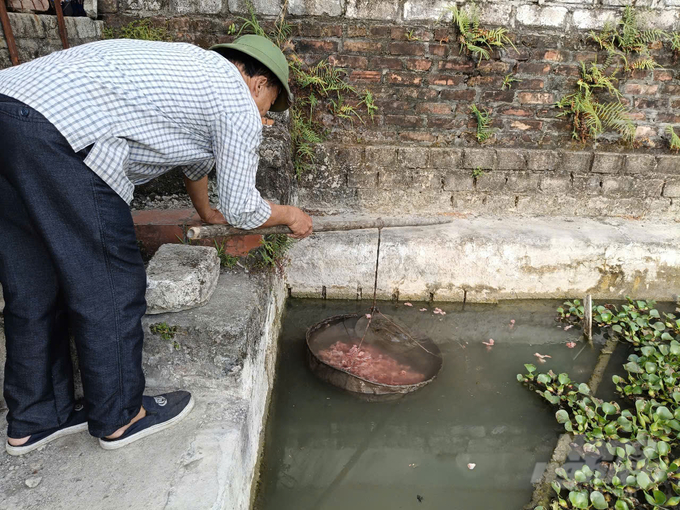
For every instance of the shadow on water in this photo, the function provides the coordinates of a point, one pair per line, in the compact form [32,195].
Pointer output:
[328,450]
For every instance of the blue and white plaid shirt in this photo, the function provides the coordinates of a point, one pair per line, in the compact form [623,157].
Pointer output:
[147,107]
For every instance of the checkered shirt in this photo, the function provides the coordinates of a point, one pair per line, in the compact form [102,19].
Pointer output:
[146,107]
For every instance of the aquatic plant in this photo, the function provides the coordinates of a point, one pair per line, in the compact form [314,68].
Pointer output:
[639,431]
[590,117]
[484,121]
[473,39]
[625,37]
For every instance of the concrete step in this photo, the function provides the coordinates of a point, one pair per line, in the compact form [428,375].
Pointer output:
[225,353]
[490,259]
[199,464]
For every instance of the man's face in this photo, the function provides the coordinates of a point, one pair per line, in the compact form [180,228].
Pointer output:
[263,93]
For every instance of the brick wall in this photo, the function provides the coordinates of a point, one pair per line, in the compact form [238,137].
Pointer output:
[423,87]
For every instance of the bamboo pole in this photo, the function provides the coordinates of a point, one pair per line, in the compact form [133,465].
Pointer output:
[9,35]
[321,224]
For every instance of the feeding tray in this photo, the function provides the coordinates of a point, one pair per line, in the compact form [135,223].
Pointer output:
[373,355]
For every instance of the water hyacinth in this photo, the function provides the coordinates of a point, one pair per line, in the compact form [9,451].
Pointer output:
[638,432]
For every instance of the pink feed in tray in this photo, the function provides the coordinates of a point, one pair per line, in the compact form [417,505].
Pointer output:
[369,363]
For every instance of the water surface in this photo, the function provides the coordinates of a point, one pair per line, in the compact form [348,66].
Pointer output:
[327,450]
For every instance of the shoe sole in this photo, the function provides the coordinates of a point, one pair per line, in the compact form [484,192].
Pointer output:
[114,445]
[17,451]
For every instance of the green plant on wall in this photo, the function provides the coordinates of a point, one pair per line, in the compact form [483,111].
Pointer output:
[473,39]
[625,37]
[590,117]
[674,139]
[316,86]
[639,430]
[483,117]
[142,29]
[508,80]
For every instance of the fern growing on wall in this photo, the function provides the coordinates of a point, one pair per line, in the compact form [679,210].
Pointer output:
[474,39]
[674,139]
[590,117]
[625,37]
[484,121]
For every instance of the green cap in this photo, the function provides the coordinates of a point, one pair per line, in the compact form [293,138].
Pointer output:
[267,53]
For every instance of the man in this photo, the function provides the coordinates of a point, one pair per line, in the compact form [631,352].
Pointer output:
[78,130]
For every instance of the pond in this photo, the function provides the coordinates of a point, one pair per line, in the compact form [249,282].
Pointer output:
[473,439]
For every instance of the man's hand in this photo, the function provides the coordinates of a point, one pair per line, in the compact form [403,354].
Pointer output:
[298,221]
[300,224]
[213,217]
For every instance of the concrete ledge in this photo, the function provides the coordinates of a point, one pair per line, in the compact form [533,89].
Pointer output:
[485,260]
[210,459]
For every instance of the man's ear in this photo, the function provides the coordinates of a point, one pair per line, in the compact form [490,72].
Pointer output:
[260,84]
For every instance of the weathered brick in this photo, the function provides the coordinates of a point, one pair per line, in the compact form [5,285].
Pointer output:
[412,35]
[535,84]
[436,108]
[457,180]
[533,15]
[479,158]
[516,112]
[555,182]
[407,48]
[607,163]
[365,76]
[413,157]
[381,156]
[373,9]
[408,121]
[429,10]
[672,188]
[445,158]
[555,55]
[533,68]
[522,182]
[362,177]
[541,160]
[346,155]
[527,125]
[498,96]
[348,61]
[663,75]
[404,78]
[438,50]
[491,181]
[511,159]
[380,31]
[391,63]
[261,6]
[362,47]
[448,122]
[315,7]
[426,179]
[577,162]
[588,19]
[315,46]
[618,186]
[395,178]
[456,65]
[639,164]
[494,67]
[535,98]
[417,136]
[496,14]
[447,81]
[458,95]
[588,184]
[640,89]
[418,64]
[668,164]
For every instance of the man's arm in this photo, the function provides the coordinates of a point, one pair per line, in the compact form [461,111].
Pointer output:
[299,222]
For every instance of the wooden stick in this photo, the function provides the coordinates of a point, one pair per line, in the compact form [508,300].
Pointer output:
[321,224]
[588,316]
[61,23]
[9,35]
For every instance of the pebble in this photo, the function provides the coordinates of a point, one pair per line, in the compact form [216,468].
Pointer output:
[33,482]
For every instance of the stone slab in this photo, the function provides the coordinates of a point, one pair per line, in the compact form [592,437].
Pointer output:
[181,277]
[486,260]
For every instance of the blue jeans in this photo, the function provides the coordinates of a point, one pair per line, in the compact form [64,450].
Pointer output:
[69,261]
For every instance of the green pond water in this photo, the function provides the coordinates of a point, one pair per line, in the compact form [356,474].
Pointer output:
[328,450]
